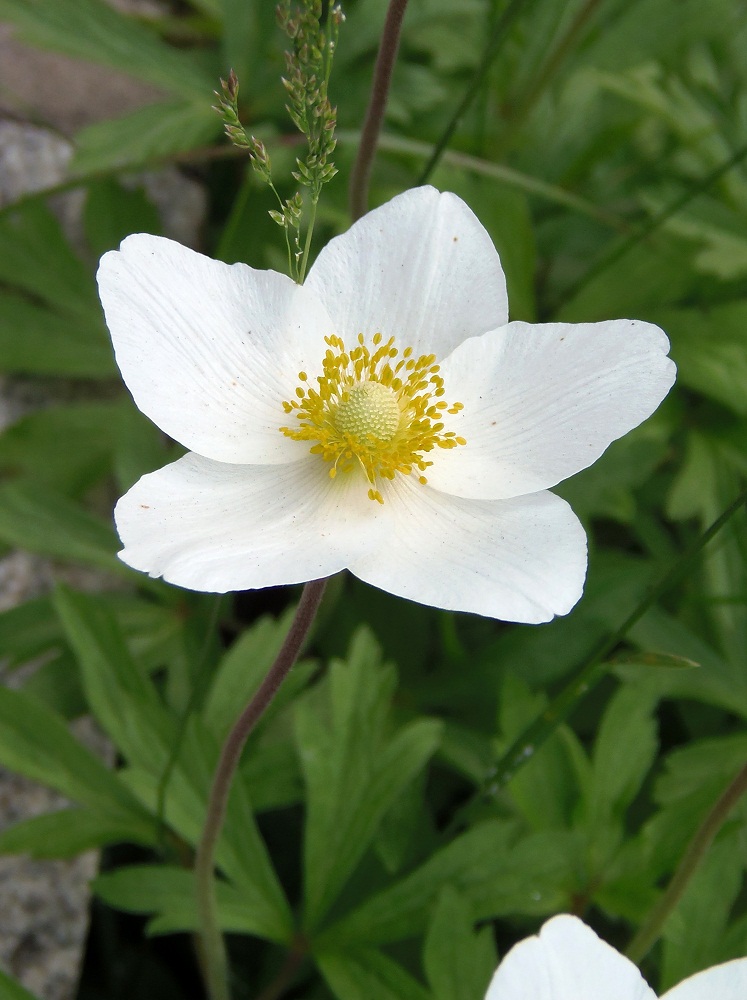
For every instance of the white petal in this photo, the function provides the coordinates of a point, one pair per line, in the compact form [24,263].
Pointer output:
[520,560]
[567,962]
[421,268]
[722,982]
[209,350]
[217,527]
[543,402]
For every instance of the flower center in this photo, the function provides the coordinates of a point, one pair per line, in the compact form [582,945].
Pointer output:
[370,413]
[373,412]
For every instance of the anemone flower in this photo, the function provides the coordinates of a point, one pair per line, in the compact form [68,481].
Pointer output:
[384,417]
[567,961]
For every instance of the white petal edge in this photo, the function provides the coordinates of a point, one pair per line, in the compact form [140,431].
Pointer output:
[218,527]
[520,560]
[567,961]
[722,982]
[542,402]
[421,268]
[210,350]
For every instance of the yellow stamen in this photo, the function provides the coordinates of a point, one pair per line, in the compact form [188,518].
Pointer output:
[373,412]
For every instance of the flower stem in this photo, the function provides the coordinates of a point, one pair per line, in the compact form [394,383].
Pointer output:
[307,246]
[214,952]
[696,851]
[361,174]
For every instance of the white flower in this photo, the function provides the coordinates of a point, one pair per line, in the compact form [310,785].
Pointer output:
[384,417]
[567,961]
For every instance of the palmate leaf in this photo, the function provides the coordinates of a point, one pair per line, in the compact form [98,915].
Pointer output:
[403,909]
[169,893]
[113,211]
[353,773]
[624,751]
[128,707]
[35,340]
[93,30]
[50,318]
[149,135]
[123,701]
[710,350]
[694,934]
[70,447]
[46,522]
[35,742]
[365,974]
[35,257]
[459,962]
[242,669]
[66,833]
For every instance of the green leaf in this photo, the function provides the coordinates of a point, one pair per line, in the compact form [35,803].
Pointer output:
[546,788]
[35,340]
[154,133]
[113,211]
[57,683]
[68,832]
[710,350]
[95,31]
[242,670]
[124,701]
[65,447]
[403,910]
[272,775]
[46,522]
[170,894]
[365,974]
[28,630]
[35,257]
[352,773]
[12,990]
[459,963]
[624,752]
[35,742]
[128,708]
[694,932]
[241,852]
[694,776]
[635,285]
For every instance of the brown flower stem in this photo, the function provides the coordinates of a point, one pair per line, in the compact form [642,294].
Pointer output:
[696,851]
[361,174]
[213,947]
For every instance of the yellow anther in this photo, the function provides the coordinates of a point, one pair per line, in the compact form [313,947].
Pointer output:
[370,416]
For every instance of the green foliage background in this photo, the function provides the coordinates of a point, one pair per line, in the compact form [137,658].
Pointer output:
[367,835]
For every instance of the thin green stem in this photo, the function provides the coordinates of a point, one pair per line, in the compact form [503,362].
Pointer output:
[696,851]
[491,51]
[385,60]
[307,245]
[214,952]
[593,669]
